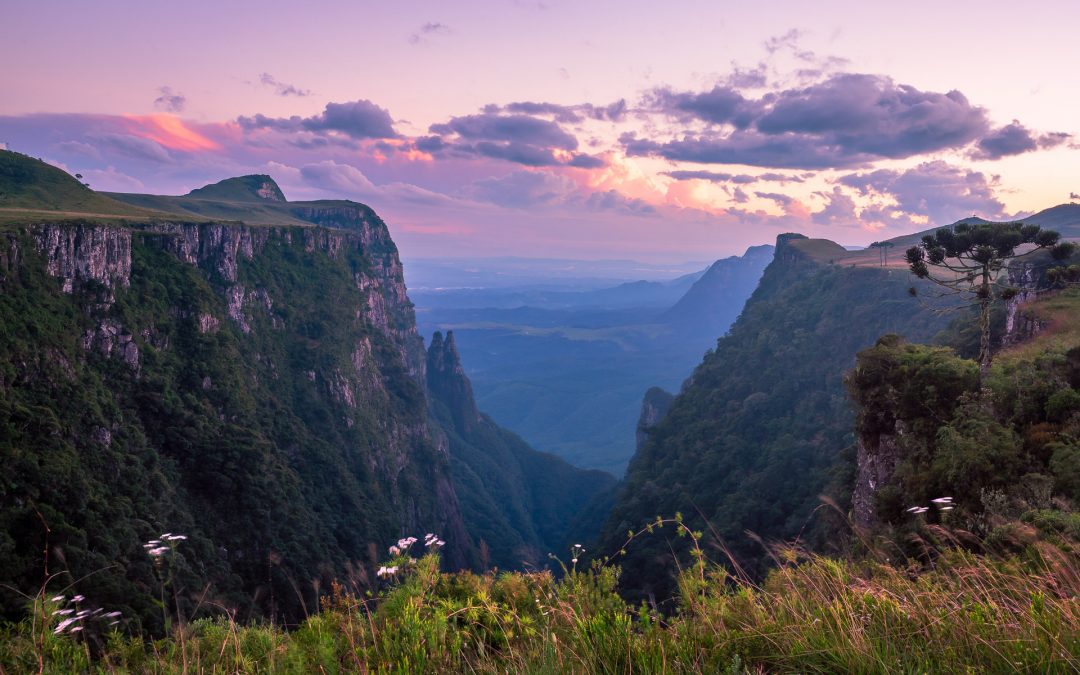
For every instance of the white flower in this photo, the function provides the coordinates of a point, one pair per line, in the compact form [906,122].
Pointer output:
[58,598]
[78,598]
[573,560]
[76,629]
[157,552]
[394,550]
[942,500]
[385,571]
[913,509]
[63,612]
[176,537]
[64,624]
[112,615]
[946,508]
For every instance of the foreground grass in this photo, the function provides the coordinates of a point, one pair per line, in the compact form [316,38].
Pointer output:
[962,613]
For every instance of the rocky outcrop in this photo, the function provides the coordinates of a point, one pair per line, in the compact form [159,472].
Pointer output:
[1019,325]
[876,461]
[86,253]
[446,381]
[654,406]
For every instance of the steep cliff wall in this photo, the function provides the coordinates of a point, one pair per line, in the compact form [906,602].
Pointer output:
[259,388]
[519,504]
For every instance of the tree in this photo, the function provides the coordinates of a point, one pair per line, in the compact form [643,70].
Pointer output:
[883,251]
[968,258]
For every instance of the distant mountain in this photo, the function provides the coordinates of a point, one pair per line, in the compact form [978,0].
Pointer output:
[518,504]
[713,303]
[570,379]
[255,188]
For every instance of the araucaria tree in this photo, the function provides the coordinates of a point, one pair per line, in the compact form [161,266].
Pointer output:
[967,260]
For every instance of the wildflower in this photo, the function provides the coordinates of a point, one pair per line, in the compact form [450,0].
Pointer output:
[78,598]
[58,598]
[76,629]
[942,500]
[386,571]
[175,537]
[913,509]
[394,550]
[63,612]
[64,624]
[158,552]
[573,560]
[946,508]
[112,615]
[922,509]
[166,535]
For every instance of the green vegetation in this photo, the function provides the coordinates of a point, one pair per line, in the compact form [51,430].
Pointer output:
[968,259]
[764,427]
[30,187]
[519,505]
[234,439]
[962,613]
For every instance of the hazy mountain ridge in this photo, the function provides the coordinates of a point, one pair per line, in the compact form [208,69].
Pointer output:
[568,375]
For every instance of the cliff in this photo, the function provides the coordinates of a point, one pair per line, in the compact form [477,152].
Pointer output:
[260,389]
[519,504]
[654,405]
[714,301]
[763,427]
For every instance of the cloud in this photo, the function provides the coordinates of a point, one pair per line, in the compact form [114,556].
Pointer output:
[519,138]
[135,147]
[720,105]
[281,88]
[428,30]
[530,189]
[1015,139]
[846,120]
[508,128]
[78,149]
[938,191]
[780,199]
[360,119]
[521,189]
[169,100]
[839,210]
[340,178]
[738,178]
[565,113]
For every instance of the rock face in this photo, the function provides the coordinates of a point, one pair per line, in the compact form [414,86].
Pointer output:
[447,381]
[876,461]
[1019,326]
[654,406]
[519,504]
[271,370]
[86,253]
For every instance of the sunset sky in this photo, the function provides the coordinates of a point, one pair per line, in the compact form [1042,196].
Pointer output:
[655,131]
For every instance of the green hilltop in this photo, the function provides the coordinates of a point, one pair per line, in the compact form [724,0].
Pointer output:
[31,187]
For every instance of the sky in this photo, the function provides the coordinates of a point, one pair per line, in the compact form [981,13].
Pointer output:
[655,131]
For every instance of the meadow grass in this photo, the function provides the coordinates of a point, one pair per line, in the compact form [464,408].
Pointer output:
[957,612]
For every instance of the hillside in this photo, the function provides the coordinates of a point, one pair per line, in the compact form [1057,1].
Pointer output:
[30,187]
[260,389]
[519,505]
[763,426]
[713,303]
[567,373]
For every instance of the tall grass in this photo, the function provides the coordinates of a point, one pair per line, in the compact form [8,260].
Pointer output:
[960,612]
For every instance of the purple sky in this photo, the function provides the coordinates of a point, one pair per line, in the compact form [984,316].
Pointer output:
[658,131]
